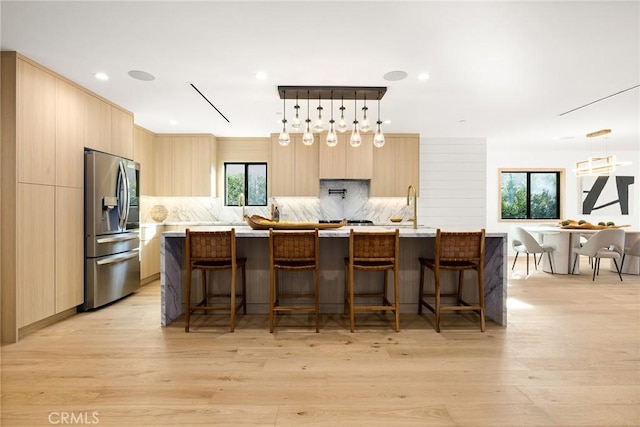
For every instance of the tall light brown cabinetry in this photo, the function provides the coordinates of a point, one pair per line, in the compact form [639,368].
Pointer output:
[396,165]
[183,165]
[294,168]
[46,123]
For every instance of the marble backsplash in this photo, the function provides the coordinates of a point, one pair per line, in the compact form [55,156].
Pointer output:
[330,204]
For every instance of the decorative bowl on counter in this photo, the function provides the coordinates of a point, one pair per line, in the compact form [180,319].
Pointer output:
[258,222]
[395,219]
[159,213]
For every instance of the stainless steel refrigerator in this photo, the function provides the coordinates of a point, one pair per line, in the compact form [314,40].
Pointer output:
[112,228]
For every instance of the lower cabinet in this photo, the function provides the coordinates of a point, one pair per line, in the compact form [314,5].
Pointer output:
[150,251]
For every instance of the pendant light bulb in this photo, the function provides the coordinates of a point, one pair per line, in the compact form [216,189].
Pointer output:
[355,140]
[296,124]
[342,123]
[307,137]
[365,126]
[378,139]
[332,137]
[284,138]
[318,126]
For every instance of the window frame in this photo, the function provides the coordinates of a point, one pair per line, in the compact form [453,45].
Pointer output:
[560,188]
[246,182]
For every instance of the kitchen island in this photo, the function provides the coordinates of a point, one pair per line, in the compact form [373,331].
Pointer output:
[253,244]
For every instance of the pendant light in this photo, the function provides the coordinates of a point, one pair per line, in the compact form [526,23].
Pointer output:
[355,140]
[342,123]
[378,139]
[332,138]
[284,138]
[297,123]
[364,124]
[307,137]
[318,126]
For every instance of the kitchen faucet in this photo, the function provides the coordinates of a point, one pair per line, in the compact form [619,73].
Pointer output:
[241,203]
[415,205]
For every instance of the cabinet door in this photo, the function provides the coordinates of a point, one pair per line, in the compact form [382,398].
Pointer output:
[121,133]
[162,165]
[143,154]
[36,125]
[180,166]
[69,244]
[307,181]
[35,281]
[283,166]
[70,134]
[201,165]
[98,130]
[333,160]
[359,164]
[396,165]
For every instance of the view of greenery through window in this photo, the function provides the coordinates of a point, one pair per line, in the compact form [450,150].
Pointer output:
[249,179]
[530,195]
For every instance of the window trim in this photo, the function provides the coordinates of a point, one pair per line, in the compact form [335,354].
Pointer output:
[246,181]
[561,196]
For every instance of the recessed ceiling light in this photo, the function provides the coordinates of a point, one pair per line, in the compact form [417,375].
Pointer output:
[423,76]
[101,76]
[261,75]
[141,75]
[394,76]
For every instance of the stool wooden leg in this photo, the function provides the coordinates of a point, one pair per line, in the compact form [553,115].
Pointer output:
[233,298]
[316,282]
[346,289]
[396,297]
[271,297]
[460,285]
[351,296]
[421,289]
[385,288]
[187,302]
[244,289]
[437,295]
[481,298]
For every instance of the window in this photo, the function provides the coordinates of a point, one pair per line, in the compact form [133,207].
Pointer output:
[530,194]
[249,179]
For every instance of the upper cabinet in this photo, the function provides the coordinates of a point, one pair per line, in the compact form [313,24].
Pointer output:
[121,133]
[396,165]
[183,165]
[98,128]
[35,124]
[344,161]
[294,168]
[143,154]
[70,133]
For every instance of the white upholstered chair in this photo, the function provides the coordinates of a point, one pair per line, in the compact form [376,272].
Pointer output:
[608,243]
[523,242]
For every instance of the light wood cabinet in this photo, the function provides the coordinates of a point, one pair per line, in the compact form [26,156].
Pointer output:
[183,165]
[70,133]
[294,168]
[143,143]
[344,161]
[36,124]
[121,133]
[396,165]
[35,249]
[150,251]
[98,126]
[69,248]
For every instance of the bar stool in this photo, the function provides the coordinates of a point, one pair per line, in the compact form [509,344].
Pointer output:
[372,251]
[458,251]
[210,251]
[293,251]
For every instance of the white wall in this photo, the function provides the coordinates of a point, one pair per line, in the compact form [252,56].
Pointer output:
[453,188]
[530,157]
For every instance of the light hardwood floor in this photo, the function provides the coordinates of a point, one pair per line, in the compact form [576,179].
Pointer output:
[570,356]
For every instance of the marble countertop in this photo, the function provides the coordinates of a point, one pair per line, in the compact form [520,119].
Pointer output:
[246,231]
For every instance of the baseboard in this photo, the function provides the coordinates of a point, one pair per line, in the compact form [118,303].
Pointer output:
[149,279]
[26,330]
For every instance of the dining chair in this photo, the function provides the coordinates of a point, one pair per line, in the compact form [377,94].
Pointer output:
[607,243]
[633,250]
[523,242]
[209,251]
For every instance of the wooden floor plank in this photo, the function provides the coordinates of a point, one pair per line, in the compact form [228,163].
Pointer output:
[570,355]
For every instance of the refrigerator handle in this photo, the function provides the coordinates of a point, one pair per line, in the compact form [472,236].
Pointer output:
[123,195]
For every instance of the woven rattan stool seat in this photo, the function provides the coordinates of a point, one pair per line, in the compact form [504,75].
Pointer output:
[372,251]
[293,251]
[458,251]
[208,251]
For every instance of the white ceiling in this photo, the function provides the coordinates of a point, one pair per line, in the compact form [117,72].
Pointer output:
[501,70]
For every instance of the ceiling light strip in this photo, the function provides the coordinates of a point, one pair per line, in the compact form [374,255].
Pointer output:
[598,100]
[205,98]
